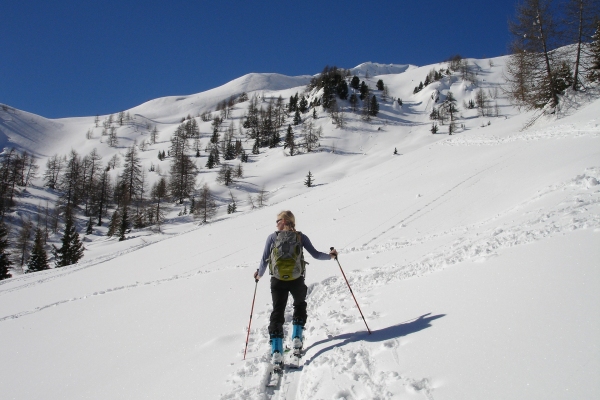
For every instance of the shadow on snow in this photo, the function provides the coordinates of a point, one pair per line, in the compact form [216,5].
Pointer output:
[381,335]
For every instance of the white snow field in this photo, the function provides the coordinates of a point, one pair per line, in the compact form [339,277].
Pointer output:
[475,259]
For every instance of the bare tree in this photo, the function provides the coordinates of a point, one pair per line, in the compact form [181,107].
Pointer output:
[579,22]
[535,36]
[206,207]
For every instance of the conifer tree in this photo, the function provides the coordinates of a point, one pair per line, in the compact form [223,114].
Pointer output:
[113,225]
[210,162]
[5,262]
[39,258]
[183,170]
[124,225]
[231,207]
[256,146]
[374,107]
[72,249]
[225,175]
[297,118]
[308,182]
[355,83]
[364,90]
[289,141]
[89,228]
[380,84]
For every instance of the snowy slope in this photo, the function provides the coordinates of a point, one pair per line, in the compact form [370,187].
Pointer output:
[474,258]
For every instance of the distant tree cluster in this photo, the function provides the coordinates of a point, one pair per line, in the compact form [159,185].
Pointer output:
[537,72]
[17,170]
[263,125]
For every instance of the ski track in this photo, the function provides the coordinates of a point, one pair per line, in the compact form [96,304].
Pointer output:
[351,370]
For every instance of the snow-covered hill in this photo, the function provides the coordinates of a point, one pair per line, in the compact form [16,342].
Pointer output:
[474,258]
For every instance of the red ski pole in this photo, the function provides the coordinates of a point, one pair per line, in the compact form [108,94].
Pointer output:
[251,311]
[344,275]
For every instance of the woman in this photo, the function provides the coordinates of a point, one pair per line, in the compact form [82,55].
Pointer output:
[283,255]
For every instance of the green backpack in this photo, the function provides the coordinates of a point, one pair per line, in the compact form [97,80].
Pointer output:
[286,262]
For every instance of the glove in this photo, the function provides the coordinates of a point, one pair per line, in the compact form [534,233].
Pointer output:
[333,253]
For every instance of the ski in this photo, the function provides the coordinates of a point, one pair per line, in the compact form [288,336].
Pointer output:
[275,374]
[296,359]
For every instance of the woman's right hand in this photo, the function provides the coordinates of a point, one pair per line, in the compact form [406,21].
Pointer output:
[256,277]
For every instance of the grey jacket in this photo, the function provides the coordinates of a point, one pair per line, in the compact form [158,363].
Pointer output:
[306,244]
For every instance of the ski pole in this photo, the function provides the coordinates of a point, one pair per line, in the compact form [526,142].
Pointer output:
[251,311]
[344,275]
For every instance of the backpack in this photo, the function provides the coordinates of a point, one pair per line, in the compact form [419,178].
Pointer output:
[286,261]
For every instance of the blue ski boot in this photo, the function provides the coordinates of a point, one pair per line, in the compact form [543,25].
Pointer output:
[297,337]
[277,349]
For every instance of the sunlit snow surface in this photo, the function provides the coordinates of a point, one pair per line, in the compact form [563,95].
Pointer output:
[474,257]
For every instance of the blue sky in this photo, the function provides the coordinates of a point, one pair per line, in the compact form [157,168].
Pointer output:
[76,58]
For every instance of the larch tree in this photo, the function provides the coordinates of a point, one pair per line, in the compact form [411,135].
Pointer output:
[534,37]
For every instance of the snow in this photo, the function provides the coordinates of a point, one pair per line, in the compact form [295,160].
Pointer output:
[474,258]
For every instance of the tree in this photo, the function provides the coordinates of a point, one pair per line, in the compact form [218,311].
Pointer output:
[71,182]
[225,175]
[364,90]
[5,262]
[102,195]
[125,224]
[297,118]
[23,242]
[39,258]
[380,84]
[153,135]
[131,178]
[289,140]
[353,102]
[262,197]
[355,83]
[434,128]
[594,70]
[113,140]
[535,36]
[183,169]
[231,207]
[207,207]
[114,223]
[342,89]
[72,249]
[54,166]
[308,182]
[580,17]
[311,140]
[158,193]
[481,101]
[89,228]
[374,107]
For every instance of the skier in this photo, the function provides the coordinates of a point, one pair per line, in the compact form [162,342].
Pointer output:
[283,254]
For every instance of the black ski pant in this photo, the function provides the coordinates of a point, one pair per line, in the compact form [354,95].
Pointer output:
[279,293]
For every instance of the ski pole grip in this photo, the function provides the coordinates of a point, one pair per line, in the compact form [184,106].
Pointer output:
[331,249]
[255,278]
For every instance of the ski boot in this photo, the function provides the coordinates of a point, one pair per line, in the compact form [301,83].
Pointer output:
[297,337]
[297,341]
[277,352]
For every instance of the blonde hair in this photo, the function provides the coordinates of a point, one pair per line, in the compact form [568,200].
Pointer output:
[289,219]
